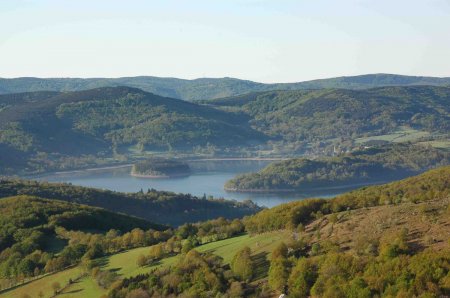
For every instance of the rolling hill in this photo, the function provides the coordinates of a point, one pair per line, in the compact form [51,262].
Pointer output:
[387,240]
[46,125]
[318,115]
[207,88]
[52,131]
[155,206]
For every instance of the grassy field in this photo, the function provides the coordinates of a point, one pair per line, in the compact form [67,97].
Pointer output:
[44,284]
[441,144]
[401,135]
[125,265]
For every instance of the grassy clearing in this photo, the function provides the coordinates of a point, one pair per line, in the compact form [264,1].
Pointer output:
[401,135]
[125,264]
[262,243]
[44,284]
[441,144]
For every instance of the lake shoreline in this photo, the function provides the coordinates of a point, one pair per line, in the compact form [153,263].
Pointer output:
[120,166]
[159,176]
[317,189]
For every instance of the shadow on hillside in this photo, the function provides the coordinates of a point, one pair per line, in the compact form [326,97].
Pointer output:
[71,292]
[261,265]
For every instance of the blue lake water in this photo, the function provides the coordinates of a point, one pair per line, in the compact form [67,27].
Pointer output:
[208,178]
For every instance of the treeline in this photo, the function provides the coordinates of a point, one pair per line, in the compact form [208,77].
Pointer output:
[156,206]
[31,241]
[207,88]
[390,272]
[433,184]
[40,236]
[374,164]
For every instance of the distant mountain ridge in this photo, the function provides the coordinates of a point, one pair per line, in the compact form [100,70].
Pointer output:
[210,88]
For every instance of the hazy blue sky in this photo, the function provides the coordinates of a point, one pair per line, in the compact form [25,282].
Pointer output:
[268,41]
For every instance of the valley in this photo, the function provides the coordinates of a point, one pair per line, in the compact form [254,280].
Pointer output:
[236,192]
[373,227]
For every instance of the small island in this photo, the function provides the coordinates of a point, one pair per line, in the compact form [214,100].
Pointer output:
[160,168]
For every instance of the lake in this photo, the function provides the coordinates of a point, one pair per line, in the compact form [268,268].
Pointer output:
[208,178]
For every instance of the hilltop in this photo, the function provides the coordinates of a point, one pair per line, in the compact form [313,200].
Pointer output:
[208,88]
[320,115]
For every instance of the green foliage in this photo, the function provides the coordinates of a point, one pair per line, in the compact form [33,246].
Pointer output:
[27,223]
[279,273]
[317,115]
[369,165]
[103,122]
[155,206]
[433,184]
[242,264]
[289,215]
[194,275]
[302,278]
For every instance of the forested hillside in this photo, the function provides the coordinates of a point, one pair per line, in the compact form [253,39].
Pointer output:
[52,131]
[306,116]
[378,241]
[42,131]
[33,230]
[433,184]
[376,164]
[156,206]
[207,88]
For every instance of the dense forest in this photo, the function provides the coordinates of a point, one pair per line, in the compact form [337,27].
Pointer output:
[156,206]
[370,165]
[207,88]
[299,116]
[51,131]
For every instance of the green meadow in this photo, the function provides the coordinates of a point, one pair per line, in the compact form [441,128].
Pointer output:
[125,264]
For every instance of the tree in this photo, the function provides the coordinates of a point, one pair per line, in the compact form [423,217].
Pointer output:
[279,268]
[280,251]
[26,267]
[242,264]
[156,251]
[278,274]
[141,261]
[302,278]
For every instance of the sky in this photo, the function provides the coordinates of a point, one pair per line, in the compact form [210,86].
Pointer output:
[264,41]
